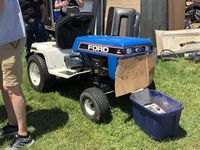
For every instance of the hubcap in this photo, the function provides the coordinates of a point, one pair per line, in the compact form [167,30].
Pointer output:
[34,73]
[89,107]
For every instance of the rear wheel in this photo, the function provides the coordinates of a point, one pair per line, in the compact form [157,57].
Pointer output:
[95,105]
[38,75]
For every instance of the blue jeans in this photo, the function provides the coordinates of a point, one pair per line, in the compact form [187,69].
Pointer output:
[35,33]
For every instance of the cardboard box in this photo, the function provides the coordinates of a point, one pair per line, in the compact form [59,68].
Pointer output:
[178,40]
[134,73]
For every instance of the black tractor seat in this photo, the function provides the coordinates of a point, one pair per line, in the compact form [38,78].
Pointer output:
[71,26]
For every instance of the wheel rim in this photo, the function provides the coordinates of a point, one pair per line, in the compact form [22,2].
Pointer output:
[34,73]
[89,107]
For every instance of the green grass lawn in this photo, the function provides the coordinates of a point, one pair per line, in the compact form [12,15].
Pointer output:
[56,122]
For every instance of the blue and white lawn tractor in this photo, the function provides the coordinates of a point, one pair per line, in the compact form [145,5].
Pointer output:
[75,52]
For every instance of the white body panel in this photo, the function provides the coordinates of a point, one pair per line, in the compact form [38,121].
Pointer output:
[54,58]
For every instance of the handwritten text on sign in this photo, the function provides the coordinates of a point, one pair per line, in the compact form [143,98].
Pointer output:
[132,69]
[132,74]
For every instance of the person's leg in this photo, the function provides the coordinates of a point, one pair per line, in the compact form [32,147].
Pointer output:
[12,79]
[19,107]
[9,107]
[11,127]
[40,33]
[29,38]
[11,90]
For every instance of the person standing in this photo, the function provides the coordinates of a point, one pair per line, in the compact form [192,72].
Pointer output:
[68,6]
[34,14]
[12,43]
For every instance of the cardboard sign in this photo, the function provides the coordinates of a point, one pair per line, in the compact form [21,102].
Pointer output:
[133,74]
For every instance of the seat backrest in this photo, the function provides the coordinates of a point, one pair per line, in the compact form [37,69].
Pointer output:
[115,23]
[69,27]
[136,30]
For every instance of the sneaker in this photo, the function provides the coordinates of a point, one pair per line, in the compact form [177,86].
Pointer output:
[8,130]
[20,142]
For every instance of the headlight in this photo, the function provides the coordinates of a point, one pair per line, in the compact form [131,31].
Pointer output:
[147,48]
[129,51]
[139,49]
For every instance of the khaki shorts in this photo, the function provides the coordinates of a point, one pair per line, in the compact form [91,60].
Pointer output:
[11,63]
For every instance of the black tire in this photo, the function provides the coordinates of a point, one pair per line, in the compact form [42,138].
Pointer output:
[38,75]
[167,55]
[95,105]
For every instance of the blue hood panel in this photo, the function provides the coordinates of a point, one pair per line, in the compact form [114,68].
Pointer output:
[109,41]
[115,41]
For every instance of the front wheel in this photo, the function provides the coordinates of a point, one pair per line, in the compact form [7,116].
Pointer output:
[95,105]
[38,75]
